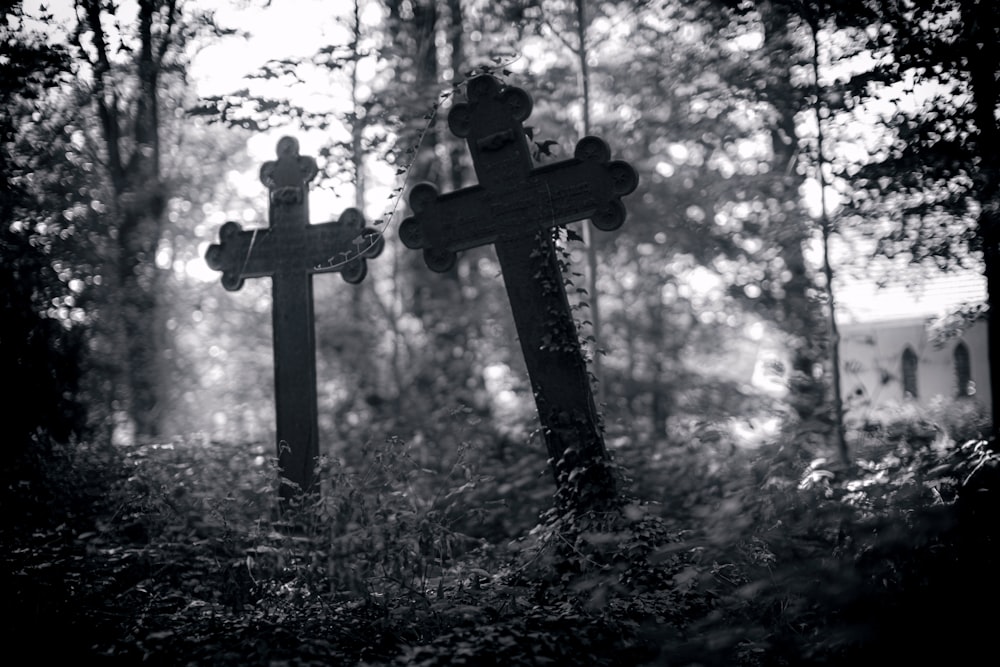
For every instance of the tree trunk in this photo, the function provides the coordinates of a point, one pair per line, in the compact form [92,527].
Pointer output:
[437,299]
[661,388]
[799,315]
[597,366]
[982,36]
[827,229]
[363,366]
[140,202]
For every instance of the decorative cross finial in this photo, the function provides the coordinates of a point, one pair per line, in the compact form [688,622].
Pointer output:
[287,177]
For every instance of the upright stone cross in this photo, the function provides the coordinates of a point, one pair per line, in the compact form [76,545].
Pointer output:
[290,251]
[513,207]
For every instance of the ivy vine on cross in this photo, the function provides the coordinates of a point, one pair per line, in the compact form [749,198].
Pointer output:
[512,207]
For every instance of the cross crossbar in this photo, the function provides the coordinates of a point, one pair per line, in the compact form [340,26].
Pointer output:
[512,199]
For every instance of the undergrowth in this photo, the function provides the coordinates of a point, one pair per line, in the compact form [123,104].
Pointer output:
[173,554]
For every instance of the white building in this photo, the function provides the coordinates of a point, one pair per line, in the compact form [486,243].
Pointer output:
[893,361]
[892,352]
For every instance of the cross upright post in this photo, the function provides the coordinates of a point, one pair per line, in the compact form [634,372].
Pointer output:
[513,207]
[290,250]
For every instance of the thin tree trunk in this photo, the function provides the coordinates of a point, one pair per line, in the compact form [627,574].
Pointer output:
[363,367]
[357,122]
[827,230]
[597,366]
[661,397]
[140,202]
[986,94]
[799,315]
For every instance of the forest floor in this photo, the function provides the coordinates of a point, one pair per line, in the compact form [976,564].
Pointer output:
[796,565]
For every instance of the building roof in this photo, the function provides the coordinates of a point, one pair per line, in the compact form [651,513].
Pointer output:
[908,295]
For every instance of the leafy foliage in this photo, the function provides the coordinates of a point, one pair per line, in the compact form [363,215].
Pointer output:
[173,556]
[933,186]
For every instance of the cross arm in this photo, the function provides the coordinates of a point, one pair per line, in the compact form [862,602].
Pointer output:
[341,246]
[590,185]
[232,255]
[344,245]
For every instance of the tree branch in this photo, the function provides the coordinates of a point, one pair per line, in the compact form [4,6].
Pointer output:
[105,111]
[166,40]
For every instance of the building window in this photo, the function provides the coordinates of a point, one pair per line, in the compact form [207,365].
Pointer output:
[963,370]
[909,373]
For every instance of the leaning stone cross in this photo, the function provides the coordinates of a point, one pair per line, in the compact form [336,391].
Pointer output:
[290,250]
[513,207]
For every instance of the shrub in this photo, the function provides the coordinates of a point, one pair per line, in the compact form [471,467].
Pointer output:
[764,557]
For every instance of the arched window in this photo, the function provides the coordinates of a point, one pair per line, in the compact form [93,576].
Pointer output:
[963,370]
[910,373]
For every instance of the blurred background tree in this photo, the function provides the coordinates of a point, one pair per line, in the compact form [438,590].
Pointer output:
[39,358]
[100,180]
